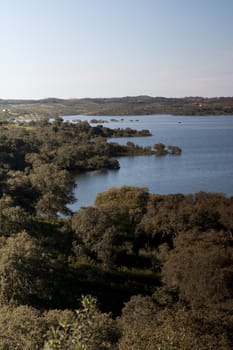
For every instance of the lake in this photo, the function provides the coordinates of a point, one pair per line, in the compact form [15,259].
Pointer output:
[206,163]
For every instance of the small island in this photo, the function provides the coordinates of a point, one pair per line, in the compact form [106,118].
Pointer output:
[98,121]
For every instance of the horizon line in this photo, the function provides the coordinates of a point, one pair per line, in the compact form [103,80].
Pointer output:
[112,97]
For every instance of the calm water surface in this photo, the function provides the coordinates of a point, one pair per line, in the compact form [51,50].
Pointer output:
[206,163]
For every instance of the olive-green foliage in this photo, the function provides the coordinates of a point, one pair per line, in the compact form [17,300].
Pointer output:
[21,328]
[21,190]
[23,271]
[99,232]
[27,328]
[177,248]
[90,330]
[12,218]
[201,268]
[145,326]
[38,160]
[132,199]
[108,231]
[54,187]
[187,239]
[169,215]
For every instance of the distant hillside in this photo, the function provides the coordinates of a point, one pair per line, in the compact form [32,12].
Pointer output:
[139,105]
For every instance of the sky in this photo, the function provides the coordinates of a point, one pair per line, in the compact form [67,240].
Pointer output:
[114,48]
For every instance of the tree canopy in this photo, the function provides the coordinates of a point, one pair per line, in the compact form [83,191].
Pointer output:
[134,271]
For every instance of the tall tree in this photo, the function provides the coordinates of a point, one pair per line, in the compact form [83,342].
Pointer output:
[55,189]
[23,271]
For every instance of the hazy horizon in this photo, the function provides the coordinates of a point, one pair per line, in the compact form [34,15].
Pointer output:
[110,97]
[116,48]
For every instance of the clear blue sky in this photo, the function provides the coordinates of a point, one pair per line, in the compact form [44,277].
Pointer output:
[105,48]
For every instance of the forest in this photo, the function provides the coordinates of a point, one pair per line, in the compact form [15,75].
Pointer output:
[134,271]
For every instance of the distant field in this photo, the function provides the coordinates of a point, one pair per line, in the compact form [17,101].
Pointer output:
[140,105]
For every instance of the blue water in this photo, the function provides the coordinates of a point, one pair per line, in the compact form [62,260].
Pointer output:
[206,163]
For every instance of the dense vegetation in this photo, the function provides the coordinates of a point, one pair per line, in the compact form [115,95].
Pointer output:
[139,105]
[135,271]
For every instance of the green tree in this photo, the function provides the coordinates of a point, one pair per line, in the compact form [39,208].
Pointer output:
[21,190]
[133,199]
[12,218]
[99,233]
[55,188]
[90,330]
[200,269]
[21,328]
[24,275]
[145,326]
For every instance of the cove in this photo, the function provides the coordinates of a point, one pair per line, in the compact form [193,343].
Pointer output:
[206,162]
